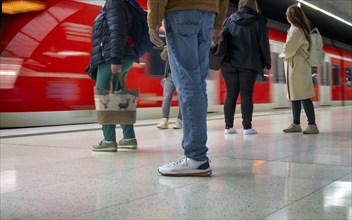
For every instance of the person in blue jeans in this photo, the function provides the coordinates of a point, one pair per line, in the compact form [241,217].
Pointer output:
[169,90]
[112,55]
[189,27]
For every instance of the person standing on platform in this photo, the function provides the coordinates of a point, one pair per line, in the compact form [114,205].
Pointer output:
[298,72]
[247,55]
[113,56]
[168,93]
[190,30]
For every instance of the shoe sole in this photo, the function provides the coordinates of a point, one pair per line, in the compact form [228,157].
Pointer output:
[203,174]
[126,147]
[310,133]
[292,131]
[105,150]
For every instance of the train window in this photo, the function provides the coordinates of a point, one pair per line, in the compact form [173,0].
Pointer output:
[348,76]
[335,75]
[325,76]
[314,75]
[279,76]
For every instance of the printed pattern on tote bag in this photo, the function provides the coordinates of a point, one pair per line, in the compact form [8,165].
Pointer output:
[117,107]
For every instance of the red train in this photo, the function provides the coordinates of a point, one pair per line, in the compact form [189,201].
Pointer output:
[45,47]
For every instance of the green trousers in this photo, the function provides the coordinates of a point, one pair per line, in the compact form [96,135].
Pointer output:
[103,80]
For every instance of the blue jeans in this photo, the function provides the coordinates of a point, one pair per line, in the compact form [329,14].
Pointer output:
[168,93]
[103,79]
[188,36]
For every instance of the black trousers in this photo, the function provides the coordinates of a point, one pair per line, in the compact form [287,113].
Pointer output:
[308,108]
[238,82]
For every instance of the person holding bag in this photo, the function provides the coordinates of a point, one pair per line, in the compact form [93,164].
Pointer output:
[113,56]
[298,71]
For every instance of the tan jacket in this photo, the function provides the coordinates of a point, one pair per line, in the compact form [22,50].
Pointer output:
[297,70]
[157,9]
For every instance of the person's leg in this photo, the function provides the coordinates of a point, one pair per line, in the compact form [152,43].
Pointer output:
[309,110]
[103,82]
[191,29]
[231,78]
[129,139]
[247,81]
[109,132]
[128,130]
[296,111]
[167,96]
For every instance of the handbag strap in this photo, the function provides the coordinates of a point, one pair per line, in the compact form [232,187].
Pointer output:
[121,81]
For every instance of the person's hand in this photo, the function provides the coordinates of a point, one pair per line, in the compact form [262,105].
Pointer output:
[116,68]
[217,36]
[266,71]
[154,37]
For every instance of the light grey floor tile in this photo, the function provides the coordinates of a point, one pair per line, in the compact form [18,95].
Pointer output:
[271,174]
[303,210]
[185,203]
[12,208]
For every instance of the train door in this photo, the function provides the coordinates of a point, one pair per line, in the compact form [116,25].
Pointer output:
[324,89]
[341,81]
[278,80]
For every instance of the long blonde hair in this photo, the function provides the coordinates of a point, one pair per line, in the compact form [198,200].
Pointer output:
[249,4]
[297,17]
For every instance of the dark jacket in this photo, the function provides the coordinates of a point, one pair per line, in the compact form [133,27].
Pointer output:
[110,34]
[247,40]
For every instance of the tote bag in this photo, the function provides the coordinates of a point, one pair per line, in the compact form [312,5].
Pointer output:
[116,107]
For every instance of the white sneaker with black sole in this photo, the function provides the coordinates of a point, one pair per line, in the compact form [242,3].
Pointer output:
[186,167]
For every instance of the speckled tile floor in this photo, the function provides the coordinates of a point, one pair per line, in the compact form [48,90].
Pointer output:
[270,175]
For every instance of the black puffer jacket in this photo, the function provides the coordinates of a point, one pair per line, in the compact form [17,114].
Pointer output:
[248,41]
[110,34]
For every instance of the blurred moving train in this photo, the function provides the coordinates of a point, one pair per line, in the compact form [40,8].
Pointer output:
[46,45]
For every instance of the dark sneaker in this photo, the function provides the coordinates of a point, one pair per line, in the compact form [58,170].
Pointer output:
[293,128]
[128,144]
[186,167]
[105,147]
[311,129]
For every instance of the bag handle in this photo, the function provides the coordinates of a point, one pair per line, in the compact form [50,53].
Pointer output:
[121,81]
[315,30]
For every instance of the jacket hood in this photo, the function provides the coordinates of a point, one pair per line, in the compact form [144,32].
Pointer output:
[245,16]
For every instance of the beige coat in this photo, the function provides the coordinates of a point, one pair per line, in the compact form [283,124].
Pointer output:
[297,70]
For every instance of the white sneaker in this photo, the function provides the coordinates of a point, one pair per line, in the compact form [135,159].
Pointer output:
[178,124]
[186,167]
[163,124]
[230,131]
[249,131]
